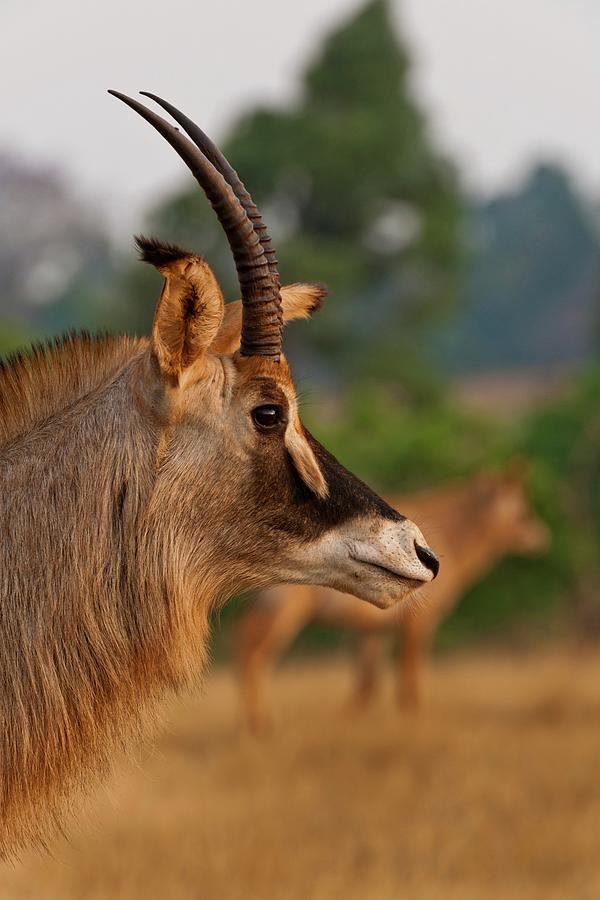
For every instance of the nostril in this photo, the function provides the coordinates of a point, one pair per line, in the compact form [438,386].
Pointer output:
[428,558]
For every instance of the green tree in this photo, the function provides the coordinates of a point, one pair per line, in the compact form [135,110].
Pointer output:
[354,195]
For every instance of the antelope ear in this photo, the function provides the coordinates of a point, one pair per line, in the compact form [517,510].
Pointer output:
[190,309]
[299,301]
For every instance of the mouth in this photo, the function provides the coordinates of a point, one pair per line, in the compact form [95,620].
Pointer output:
[391,574]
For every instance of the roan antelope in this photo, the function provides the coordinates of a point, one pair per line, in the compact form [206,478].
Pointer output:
[145,481]
[476,523]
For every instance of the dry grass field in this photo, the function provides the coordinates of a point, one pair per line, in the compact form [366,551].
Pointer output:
[493,793]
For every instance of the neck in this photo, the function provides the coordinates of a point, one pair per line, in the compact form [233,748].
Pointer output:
[479,552]
[475,545]
[90,633]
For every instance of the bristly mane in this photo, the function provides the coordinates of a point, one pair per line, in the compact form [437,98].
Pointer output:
[37,384]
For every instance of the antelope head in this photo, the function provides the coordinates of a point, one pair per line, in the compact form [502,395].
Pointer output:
[510,518]
[253,498]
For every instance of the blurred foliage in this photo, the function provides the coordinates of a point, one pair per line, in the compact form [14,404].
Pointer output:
[532,289]
[401,447]
[14,334]
[55,265]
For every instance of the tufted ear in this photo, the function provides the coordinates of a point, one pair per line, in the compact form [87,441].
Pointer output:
[299,301]
[190,309]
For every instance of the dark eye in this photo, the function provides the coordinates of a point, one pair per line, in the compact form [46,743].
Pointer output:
[267,416]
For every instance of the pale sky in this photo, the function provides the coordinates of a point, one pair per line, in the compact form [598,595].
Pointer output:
[503,81]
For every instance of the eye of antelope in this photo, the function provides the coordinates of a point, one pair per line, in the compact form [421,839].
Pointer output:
[268,416]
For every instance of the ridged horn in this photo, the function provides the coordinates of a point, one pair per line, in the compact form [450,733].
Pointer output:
[222,165]
[262,315]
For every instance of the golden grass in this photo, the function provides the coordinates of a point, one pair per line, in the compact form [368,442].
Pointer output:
[494,792]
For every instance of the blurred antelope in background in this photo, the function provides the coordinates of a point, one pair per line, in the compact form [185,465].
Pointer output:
[145,481]
[476,523]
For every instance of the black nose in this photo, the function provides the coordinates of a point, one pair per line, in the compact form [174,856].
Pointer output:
[428,558]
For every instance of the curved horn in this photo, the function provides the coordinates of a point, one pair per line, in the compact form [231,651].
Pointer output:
[222,165]
[262,316]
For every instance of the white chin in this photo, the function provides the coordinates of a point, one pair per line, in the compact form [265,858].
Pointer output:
[378,592]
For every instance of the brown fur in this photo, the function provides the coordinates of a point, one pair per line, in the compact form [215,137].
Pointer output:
[475,524]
